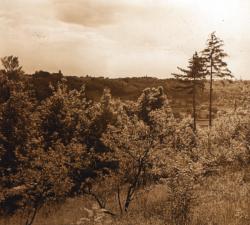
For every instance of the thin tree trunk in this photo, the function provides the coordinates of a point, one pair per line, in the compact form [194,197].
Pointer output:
[133,186]
[128,198]
[98,200]
[211,93]
[210,102]
[194,103]
[119,199]
[30,221]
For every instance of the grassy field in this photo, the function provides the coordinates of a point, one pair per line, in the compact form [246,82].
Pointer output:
[222,199]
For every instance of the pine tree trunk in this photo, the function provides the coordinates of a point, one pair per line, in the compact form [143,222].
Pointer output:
[211,94]
[194,103]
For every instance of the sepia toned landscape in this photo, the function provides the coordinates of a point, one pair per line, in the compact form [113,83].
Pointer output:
[99,127]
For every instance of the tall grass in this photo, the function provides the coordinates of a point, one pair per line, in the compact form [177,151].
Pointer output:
[222,199]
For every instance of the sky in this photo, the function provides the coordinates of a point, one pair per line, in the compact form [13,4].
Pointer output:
[122,38]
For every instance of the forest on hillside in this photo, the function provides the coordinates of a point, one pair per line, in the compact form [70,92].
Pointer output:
[129,89]
[125,151]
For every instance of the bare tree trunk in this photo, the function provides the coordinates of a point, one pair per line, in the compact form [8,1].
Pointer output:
[30,221]
[98,200]
[211,94]
[210,101]
[194,103]
[128,198]
[119,199]
[133,186]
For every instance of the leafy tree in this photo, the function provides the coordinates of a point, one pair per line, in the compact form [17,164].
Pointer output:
[5,87]
[102,114]
[213,55]
[40,152]
[56,167]
[44,178]
[136,141]
[12,67]
[132,146]
[55,123]
[16,110]
[229,139]
[151,99]
[64,118]
[192,79]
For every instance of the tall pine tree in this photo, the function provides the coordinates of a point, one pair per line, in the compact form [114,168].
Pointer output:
[213,56]
[192,79]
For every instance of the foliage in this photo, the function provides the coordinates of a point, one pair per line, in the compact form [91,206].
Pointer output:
[143,148]
[228,140]
[111,150]
[16,110]
[151,99]
[11,67]
[192,80]
[213,55]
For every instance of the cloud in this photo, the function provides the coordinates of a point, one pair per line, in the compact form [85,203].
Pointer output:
[120,37]
[89,13]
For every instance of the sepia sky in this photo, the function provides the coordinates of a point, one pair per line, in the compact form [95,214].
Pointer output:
[119,38]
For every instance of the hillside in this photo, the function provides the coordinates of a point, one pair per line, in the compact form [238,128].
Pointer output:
[131,88]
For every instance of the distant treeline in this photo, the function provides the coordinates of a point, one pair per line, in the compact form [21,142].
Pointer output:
[129,88]
[123,88]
